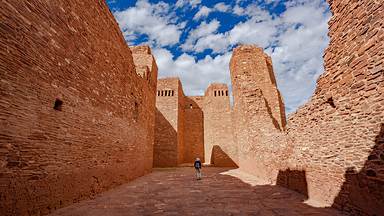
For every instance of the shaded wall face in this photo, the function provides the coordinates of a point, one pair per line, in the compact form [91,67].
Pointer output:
[193,129]
[336,135]
[167,129]
[98,136]
[218,123]
[181,125]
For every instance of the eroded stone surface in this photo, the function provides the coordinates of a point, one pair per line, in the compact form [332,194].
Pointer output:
[174,191]
[102,135]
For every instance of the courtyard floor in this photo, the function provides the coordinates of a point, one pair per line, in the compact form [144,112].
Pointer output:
[174,191]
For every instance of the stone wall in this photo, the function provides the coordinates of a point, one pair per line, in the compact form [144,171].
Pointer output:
[193,129]
[75,117]
[258,116]
[218,122]
[338,135]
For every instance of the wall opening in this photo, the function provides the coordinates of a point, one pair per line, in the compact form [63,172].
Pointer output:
[58,104]
[214,93]
[331,102]
[136,112]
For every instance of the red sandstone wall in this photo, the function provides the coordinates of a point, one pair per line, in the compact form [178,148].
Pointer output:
[338,135]
[193,129]
[257,114]
[169,125]
[73,51]
[218,123]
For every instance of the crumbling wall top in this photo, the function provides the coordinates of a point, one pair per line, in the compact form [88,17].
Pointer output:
[142,49]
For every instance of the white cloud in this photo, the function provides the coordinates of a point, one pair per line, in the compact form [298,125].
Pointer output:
[297,58]
[218,43]
[203,12]
[295,40]
[183,3]
[194,75]
[154,20]
[254,32]
[222,7]
[203,30]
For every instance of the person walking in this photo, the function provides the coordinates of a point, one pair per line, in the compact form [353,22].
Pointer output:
[197,166]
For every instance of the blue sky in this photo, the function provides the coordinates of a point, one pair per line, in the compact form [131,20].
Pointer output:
[193,39]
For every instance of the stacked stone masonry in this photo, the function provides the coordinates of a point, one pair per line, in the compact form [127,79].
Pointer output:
[81,112]
[169,131]
[332,147]
[337,137]
[75,118]
[190,127]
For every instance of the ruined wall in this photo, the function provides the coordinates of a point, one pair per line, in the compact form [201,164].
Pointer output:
[218,122]
[98,136]
[193,129]
[258,114]
[146,68]
[169,123]
[338,135]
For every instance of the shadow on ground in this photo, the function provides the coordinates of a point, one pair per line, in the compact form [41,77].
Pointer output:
[176,192]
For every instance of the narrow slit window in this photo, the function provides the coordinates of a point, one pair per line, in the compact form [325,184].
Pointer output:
[136,112]
[173,92]
[214,93]
[226,93]
[331,102]
[58,104]
[222,93]
[162,93]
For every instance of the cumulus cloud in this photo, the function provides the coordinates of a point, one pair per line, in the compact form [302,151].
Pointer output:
[203,30]
[297,56]
[222,7]
[295,39]
[203,12]
[155,21]
[195,75]
[183,3]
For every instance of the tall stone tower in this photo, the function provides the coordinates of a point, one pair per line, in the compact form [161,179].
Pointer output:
[218,124]
[252,68]
[258,111]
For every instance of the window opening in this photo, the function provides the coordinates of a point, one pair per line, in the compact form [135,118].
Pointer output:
[58,104]
[226,93]
[331,102]
[136,112]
